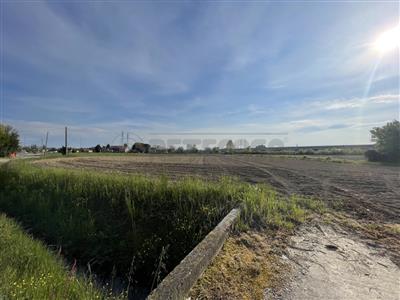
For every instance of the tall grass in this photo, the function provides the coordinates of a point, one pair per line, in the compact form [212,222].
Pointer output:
[30,271]
[119,223]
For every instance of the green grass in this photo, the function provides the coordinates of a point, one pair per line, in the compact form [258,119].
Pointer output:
[114,221]
[30,271]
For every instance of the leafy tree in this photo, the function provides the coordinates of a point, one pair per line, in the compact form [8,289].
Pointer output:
[9,140]
[97,149]
[388,140]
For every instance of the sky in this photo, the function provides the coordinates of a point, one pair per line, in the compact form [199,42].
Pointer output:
[304,73]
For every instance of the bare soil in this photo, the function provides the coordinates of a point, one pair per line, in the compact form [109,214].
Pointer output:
[369,191]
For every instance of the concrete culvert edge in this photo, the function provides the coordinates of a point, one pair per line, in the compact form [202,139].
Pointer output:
[180,280]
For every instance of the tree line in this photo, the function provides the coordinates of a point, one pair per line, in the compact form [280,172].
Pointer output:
[387,145]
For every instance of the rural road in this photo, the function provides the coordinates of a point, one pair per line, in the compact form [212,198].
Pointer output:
[331,263]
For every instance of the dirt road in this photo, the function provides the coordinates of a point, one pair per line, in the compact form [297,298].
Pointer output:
[329,262]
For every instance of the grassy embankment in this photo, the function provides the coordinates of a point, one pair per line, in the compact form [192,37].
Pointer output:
[30,271]
[120,225]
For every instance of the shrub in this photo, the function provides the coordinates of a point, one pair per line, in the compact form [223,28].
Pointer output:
[373,155]
[388,140]
[9,140]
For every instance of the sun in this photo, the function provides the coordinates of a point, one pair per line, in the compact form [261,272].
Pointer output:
[388,40]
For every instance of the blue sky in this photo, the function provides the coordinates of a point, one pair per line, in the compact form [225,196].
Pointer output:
[307,69]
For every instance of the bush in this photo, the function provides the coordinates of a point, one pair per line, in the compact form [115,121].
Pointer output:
[388,141]
[9,140]
[373,155]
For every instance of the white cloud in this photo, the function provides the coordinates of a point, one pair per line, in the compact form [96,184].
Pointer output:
[351,103]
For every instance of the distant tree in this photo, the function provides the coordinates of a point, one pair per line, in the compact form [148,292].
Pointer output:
[62,150]
[215,150]
[230,145]
[141,147]
[260,148]
[387,140]
[108,147]
[97,149]
[171,149]
[180,150]
[31,149]
[207,150]
[9,140]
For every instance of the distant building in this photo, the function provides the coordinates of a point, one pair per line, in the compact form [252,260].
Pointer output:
[119,148]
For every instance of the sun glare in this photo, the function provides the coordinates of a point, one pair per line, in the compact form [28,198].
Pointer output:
[388,40]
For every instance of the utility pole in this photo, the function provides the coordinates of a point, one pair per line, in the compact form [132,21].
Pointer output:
[127,138]
[66,140]
[45,146]
[122,138]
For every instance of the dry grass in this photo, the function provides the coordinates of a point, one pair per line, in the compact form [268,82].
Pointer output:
[246,266]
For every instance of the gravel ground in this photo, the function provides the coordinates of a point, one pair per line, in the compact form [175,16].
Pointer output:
[332,263]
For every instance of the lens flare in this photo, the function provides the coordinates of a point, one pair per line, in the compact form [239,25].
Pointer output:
[388,40]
